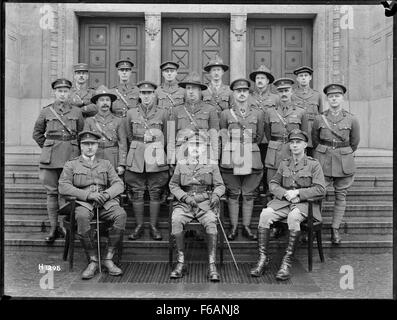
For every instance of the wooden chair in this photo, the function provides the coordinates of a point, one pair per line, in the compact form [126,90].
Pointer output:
[195,225]
[311,227]
[69,223]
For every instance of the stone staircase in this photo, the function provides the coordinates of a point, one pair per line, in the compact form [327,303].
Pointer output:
[367,225]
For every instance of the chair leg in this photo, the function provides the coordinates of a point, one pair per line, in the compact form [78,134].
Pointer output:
[310,249]
[320,245]
[71,248]
[66,246]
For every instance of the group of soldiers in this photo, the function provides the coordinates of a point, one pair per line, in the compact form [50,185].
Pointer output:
[200,141]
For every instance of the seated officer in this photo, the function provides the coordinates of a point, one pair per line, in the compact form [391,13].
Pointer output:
[197,186]
[297,179]
[95,184]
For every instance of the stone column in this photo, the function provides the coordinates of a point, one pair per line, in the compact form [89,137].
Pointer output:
[238,42]
[152,46]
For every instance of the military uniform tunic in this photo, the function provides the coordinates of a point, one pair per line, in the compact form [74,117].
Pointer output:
[219,98]
[79,178]
[309,100]
[336,154]
[169,95]
[186,177]
[277,132]
[113,144]
[146,159]
[306,176]
[82,99]
[127,98]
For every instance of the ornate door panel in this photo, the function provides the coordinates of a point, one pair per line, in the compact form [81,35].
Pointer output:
[104,41]
[281,45]
[192,43]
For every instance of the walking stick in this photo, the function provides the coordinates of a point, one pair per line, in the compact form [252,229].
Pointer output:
[228,244]
[97,235]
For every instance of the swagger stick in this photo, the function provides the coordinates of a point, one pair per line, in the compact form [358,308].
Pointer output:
[97,235]
[228,244]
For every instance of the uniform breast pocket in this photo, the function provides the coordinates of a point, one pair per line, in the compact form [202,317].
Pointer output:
[161,101]
[81,176]
[202,120]
[304,179]
[344,130]
[137,128]
[287,178]
[294,123]
[72,122]
[53,124]
[276,127]
[183,121]
[178,99]
[252,124]
[102,177]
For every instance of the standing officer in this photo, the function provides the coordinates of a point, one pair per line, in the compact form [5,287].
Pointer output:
[169,94]
[55,131]
[217,94]
[126,92]
[146,160]
[308,99]
[95,184]
[80,94]
[280,120]
[197,186]
[113,143]
[242,129]
[262,96]
[336,135]
[298,178]
[194,116]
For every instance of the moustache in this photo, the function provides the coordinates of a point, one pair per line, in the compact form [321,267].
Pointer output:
[105,105]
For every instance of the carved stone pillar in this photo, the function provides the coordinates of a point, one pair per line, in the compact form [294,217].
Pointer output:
[238,42]
[152,46]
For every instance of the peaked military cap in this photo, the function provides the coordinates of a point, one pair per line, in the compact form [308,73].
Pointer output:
[298,134]
[146,86]
[303,69]
[103,91]
[283,83]
[89,136]
[216,62]
[169,65]
[60,83]
[194,79]
[80,67]
[334,88]
[240,84]
[264,70]
[124,63]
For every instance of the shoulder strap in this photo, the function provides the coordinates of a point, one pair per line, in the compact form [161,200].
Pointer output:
[280,117]
[332,130]
[122,98]
[60,120]
[191,118]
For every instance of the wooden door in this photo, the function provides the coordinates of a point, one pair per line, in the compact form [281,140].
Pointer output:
[192,43]
[282,45]
[103,41]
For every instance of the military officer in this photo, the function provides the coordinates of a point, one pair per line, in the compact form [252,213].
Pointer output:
[197,186]
[80,94]
[55,131]
[146,160]
[217,94]
[95,184]
[308,99]
[280,120]
[194,116]
[262,96]
[113,143]
[126,92]
[298,178]
[242,129]
[169,94]
[336,135]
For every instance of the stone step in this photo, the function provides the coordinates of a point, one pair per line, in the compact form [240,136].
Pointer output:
[358,225]
[146,249]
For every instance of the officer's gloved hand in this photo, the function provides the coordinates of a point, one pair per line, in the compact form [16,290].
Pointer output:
[214,201]
[191,202]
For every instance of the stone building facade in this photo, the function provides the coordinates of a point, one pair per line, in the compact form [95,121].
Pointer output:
[348,44]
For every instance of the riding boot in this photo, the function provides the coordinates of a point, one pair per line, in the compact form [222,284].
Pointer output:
[248,207]
[233,206]
[114,238]
[88,246]
[335,237]
[52,210]
[213,274]
[138,208]
[154,213]
[284,273]
[263,245]
[180,268]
